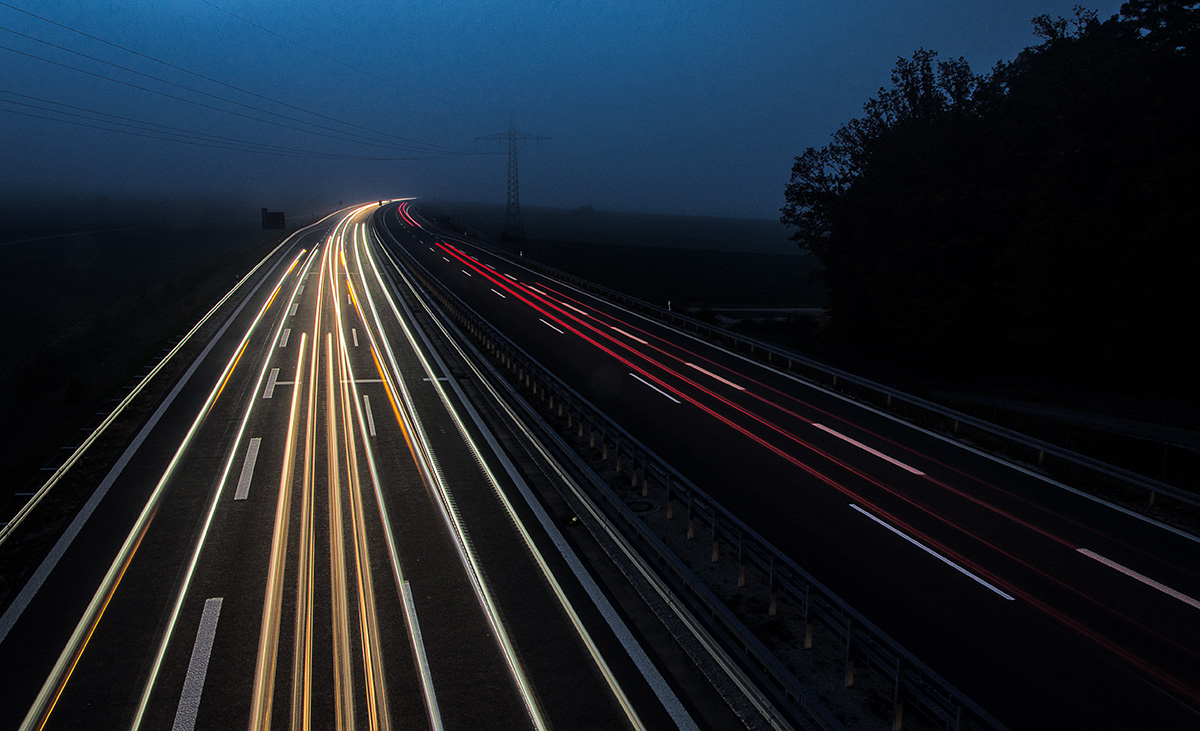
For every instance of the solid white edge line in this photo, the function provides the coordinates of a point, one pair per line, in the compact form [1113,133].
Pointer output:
[31,588]
[773,367]
[243,486]
[935,554]
[616,624]
[710,374]
[865,448]
[552,327]
[1142,578]
[193,684]
[414,629]
[656,388]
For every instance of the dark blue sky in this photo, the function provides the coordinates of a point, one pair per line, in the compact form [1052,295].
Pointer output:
[694,107]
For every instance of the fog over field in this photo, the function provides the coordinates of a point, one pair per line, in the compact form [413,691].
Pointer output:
[678,107]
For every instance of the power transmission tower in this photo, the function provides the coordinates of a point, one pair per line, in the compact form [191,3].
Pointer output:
[514,229]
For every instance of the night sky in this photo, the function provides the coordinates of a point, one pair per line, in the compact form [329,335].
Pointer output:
[684,107]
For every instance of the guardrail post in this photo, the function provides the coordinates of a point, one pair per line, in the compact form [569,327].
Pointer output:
[741,560]
[670,498]
[809,616]
[604,444]
[617,451]
[633,469]
[898,700]
[645,477]
[716,554]
[850,652]
[772,607]
[691,517]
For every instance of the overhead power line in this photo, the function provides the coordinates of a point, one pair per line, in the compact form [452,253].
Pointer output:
[152,130]
[401,142]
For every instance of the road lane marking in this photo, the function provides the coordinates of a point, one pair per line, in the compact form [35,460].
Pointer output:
[552,327]
[865,448]
[300,290]
[1144,579]
[354,335]
[512,277]
[414,630]
[710,374]
[633,337]
[269,391]
[656,388]
[935,554]
[464,271]
[573,307]
[292,312]
[502,296]
[370,416]
[243,486]
[445,259]
[287,332]
[193,684]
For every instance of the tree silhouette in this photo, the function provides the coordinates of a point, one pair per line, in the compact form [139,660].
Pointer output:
[1038,219]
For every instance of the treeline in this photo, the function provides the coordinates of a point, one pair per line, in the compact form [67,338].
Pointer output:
[1042,219]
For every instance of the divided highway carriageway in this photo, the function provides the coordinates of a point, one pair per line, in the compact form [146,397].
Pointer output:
[321,527]
[314,531]
[1047,607]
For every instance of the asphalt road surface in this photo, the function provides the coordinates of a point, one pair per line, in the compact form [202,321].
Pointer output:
[1049,608]
[311,533]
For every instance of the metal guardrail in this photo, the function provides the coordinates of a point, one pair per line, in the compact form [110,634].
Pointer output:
[1017,447]
[915,684]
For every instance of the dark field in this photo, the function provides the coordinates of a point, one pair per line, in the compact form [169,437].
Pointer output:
[692,261]
[91,292]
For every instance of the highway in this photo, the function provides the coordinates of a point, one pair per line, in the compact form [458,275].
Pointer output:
[1049,608]
[313,532]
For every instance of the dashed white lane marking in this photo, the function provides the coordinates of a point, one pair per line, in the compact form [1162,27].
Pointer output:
[292,312]
[865,448]
[269,391]
[370,416]
[500,294]
[464,271]
[1144,579]
[287,333]
[512,277]
[300,290]
[552,327]
[935,554]
[710,374]
[632,337]
[193,683]
[410,613]
[243,486]
[656,388]
[354,335]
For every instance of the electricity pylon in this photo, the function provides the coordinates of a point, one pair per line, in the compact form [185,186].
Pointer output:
[514,229]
